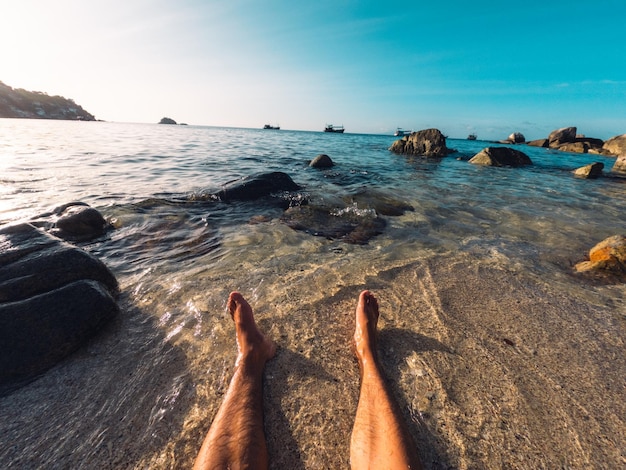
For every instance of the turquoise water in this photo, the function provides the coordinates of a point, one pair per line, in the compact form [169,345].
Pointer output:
[177,255]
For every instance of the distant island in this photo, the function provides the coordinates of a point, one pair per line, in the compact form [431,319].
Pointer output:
[20,103]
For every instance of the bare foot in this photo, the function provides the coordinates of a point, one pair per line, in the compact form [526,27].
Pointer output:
[365,331]
[251,343]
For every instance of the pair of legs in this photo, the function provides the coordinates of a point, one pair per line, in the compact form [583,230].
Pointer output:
[236,439]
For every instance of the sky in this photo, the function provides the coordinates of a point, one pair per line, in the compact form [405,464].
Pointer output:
[484,67]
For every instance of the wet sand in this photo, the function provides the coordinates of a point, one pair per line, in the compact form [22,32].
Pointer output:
[493,368]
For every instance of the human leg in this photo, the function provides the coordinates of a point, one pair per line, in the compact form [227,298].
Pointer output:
[380,438]
[236,438]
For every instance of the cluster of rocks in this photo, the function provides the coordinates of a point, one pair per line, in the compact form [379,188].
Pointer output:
[567,140]
[432,143]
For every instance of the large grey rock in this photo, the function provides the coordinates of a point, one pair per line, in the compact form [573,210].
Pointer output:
[616,145]
[501,156]
[257,186]
[428,143]
[53,298]
[561,136]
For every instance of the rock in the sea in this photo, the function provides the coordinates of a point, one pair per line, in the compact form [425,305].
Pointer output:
[607,257]
[349,224]
[574,147]
[321,161]
[428,143]
[80,222]
[257,186]
[53,298]
[501,156]
[516,138]
[594,170]
[616,145]
[167,120]
[620,165]
[383,204]
[538,143]
[561,136]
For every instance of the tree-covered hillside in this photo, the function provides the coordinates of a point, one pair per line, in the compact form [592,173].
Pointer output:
[19,103]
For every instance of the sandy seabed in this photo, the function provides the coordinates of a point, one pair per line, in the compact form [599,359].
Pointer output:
[492,369]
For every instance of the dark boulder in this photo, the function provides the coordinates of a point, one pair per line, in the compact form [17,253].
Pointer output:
[501,156]
[167,120]
[321,161]
[428,143]
[80,222]
[348,224]
[257,186]
[53,298]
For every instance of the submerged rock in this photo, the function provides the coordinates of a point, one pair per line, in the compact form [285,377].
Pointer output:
[501,156]
[321,161]
[53,298]
[257,186]
[428,143]
[381,203]
[349,224]
[607,257]
[593,170]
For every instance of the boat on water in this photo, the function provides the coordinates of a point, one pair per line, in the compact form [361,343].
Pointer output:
[401,132]
[335,129]
[471,137]
[269,126]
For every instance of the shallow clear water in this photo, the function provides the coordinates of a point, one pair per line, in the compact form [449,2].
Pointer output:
[177,256]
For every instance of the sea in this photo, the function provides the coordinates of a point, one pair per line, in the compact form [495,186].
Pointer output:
[177,252]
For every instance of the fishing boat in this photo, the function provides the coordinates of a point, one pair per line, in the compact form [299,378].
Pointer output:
[335,129]
[471,137]
[269,126]
[401,132]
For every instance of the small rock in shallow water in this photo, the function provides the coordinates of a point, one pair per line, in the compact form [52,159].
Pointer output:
[607,257]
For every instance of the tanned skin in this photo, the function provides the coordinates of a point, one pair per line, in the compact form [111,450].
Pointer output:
[236,439]
[380,439]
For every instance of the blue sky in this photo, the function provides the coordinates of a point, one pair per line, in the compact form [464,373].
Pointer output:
[370,65]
